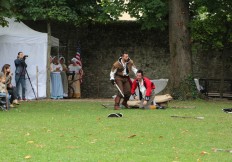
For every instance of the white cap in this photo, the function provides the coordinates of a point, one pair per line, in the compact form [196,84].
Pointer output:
[74,60]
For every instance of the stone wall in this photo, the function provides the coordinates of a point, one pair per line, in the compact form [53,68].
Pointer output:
[101,46]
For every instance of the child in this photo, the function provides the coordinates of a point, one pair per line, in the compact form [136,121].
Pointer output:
[3,91]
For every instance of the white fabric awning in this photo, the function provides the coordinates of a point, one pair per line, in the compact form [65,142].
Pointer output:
[18,37]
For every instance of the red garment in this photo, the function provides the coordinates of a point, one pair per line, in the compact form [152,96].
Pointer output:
[147,83]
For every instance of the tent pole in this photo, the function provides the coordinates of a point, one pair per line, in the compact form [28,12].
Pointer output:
[37,81]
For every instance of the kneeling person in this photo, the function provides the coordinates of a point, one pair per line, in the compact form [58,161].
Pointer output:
[146,90]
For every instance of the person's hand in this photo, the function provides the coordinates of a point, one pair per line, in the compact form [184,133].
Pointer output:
[112,81]
[136,97]
[58,69]
[144,103]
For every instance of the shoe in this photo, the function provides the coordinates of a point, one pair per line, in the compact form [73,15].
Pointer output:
[16,102]
[159,107]
[116,107]
[125,104]
[24,99]
[12,106]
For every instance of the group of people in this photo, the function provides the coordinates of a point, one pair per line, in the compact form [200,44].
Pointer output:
[10,94]
[119,76]
[59,79]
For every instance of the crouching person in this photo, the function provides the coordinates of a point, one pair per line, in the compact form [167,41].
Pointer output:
[146,90]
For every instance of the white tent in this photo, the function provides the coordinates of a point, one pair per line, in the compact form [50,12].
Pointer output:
[18,37]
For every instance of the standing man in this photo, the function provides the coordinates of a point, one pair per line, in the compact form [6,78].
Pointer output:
[146,90]
[20,73]
[120,75]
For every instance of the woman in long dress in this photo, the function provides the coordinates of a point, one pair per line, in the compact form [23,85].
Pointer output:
[56,81]
[77,77]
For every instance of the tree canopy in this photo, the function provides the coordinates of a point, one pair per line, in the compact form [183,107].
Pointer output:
[213,21]
[68,11]
[5,11]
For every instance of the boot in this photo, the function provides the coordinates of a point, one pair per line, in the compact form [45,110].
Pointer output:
[16,102]
[124,102]
[117,102]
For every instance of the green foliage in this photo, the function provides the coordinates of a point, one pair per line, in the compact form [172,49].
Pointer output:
[76,12]
[211,26]
[113,9]
[5,11]
[187,89]
[151,13]
[80,131]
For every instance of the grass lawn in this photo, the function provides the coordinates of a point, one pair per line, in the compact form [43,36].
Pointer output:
[80,131]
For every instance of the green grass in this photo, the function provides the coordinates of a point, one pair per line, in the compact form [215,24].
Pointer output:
[80,131]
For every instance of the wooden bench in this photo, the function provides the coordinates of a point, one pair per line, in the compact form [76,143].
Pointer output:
[211,87]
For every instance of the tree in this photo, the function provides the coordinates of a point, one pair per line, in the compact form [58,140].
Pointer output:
[69,11]
[5,11]
[150,13]
[172,14]
[213,21]
[180,53]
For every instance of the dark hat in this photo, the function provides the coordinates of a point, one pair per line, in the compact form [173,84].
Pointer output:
[117,115]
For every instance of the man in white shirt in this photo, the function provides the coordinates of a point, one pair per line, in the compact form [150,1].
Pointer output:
[120,75]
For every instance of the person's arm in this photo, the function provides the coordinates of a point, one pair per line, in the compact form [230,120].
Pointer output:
[51,67]
[17,62]
[20,62]
[81,73]
[112,74]
[148,89]
[65,68]
[133,87]
[61,68]
[134,69]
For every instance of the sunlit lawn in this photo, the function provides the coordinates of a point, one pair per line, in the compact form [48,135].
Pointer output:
[81,131]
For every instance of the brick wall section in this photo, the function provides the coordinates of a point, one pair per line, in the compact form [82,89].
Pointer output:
[101,46]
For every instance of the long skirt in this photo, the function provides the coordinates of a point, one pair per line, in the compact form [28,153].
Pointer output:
[77,86]
[56,86]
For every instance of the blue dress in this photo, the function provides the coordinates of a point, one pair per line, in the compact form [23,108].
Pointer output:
[56,86]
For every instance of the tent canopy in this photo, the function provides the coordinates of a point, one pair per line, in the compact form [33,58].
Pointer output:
[18,37]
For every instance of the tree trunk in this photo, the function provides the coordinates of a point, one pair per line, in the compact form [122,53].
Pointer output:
[179,45]
[222,77]
[48,61]
[225,42]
